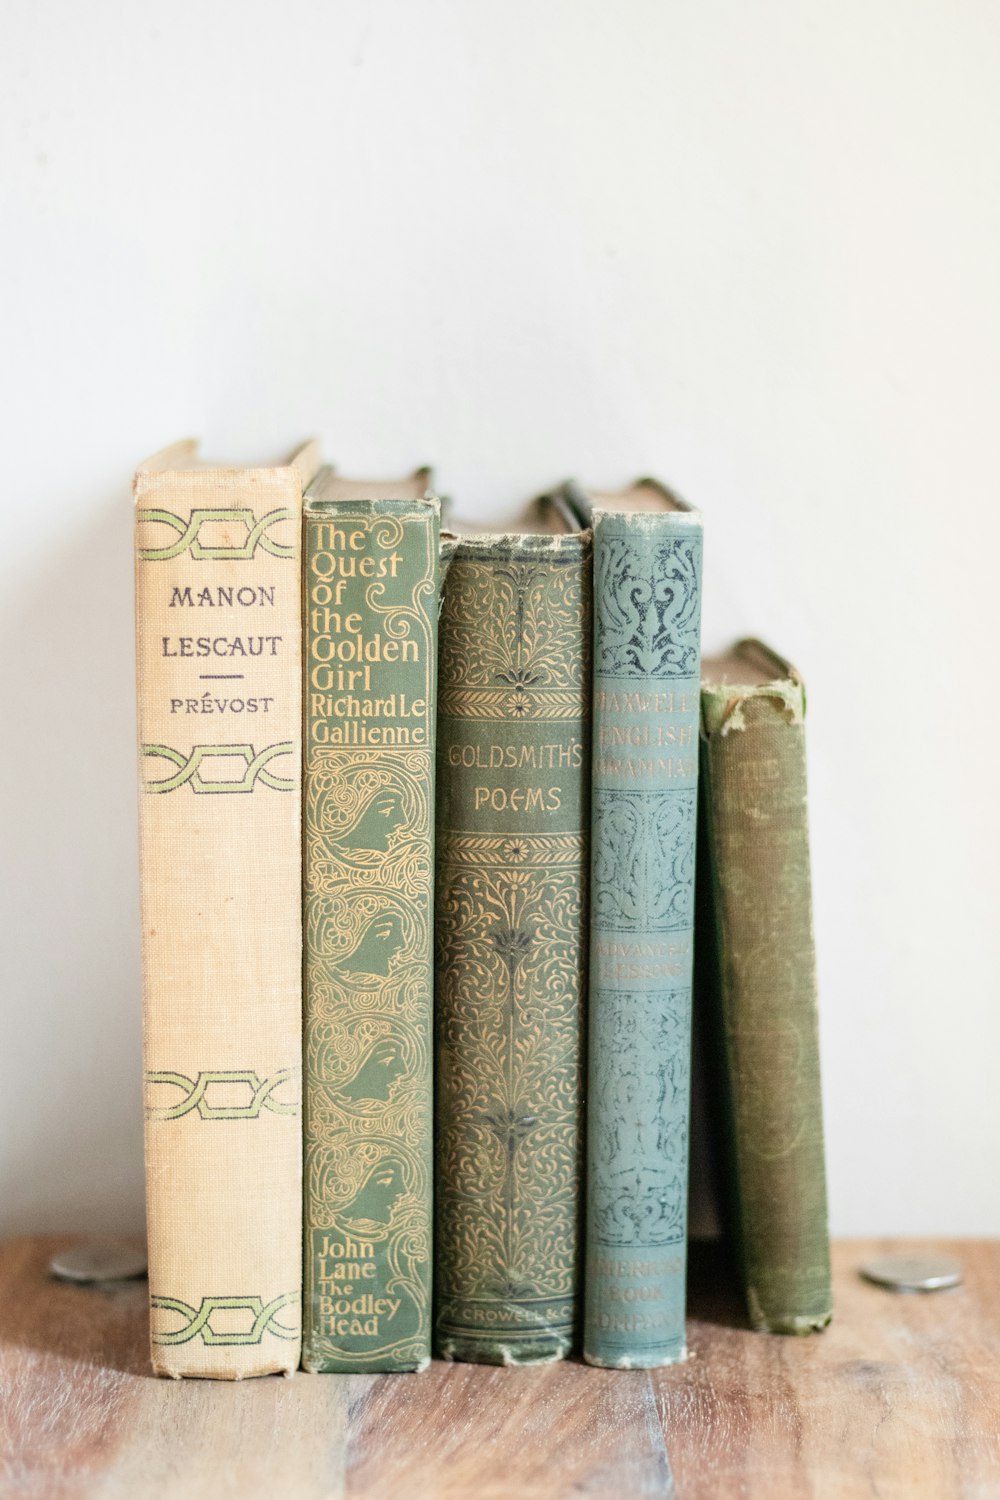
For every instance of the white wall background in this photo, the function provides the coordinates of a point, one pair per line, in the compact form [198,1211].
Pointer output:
[750,247]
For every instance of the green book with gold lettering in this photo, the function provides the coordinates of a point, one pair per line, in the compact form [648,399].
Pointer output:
[370,624]
[759,977]
[513,824]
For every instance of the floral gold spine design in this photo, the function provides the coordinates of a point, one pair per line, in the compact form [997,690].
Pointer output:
[218,634]
[513,758]
[371,587]
[760,979]
[647,605]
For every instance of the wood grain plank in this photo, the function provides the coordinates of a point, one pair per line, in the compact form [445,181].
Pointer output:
[900,1397]
[82,1414]
[488,1432]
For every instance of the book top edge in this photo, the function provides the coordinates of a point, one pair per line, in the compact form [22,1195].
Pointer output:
[749,671]
[647,520]
[749,662]
[494,545]
[329,486]
[644,497]
[419,506]
[180,461]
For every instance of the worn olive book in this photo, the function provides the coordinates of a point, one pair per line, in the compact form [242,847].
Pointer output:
[647,619]
[371,608]
[761,982]
[218,636]
[513,822]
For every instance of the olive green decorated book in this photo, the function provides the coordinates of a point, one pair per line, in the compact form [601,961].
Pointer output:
[218,635]
[513,825]
[371,607]
[761,982]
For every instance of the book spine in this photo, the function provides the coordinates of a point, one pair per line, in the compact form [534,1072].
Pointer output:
[753,764]
[513,821]
[647,596]
[218,628]
[371,603]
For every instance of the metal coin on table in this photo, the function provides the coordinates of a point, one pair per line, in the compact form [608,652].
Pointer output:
[913,1273]
[99,1260]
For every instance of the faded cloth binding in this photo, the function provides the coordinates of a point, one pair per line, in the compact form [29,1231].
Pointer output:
[762,983]
[218,658]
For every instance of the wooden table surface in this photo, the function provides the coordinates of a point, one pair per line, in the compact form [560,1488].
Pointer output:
[900,1397]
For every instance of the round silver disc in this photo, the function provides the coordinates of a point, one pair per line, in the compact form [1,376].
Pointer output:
[913,1273]
[99,1260]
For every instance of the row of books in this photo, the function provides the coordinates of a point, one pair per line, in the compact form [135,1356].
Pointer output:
[418,864]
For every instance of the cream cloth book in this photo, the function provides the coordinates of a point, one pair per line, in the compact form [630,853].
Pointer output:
[219,630]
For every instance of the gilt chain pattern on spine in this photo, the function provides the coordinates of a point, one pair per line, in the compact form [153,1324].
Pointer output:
[218,634]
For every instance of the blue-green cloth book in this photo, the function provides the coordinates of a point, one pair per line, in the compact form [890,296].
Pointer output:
[647,615]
